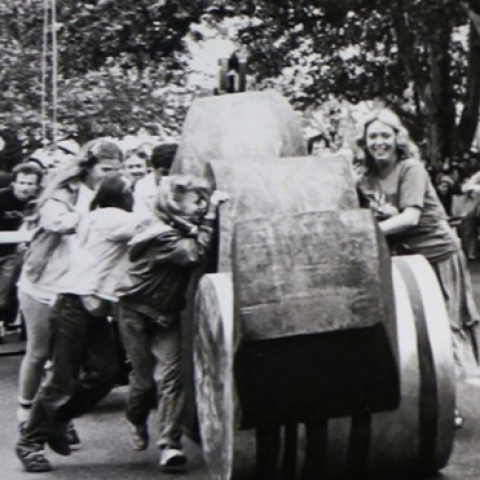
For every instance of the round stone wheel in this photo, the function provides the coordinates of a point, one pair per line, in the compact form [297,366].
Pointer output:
[213,371]
[231,128]
[417,436]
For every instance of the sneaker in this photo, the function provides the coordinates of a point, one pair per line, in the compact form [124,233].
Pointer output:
[172,459]
[33,458]
[138,436]
[72,437]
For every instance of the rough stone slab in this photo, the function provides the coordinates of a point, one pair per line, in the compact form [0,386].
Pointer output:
[244,125]
[265,187]
[310,273]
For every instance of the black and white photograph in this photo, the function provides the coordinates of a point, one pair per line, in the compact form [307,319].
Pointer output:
[240,240]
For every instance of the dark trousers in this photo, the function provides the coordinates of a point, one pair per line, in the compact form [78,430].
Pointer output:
[10,267]
[155,353]
[78,338]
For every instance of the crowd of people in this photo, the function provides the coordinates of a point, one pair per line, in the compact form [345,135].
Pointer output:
[104,249]
[103,255]
[458,187]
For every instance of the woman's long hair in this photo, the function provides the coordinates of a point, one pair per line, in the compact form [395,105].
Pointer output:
[89,155]
[112,192]
[405,147]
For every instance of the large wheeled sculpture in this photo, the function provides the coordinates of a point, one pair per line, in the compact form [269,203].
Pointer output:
[307,332]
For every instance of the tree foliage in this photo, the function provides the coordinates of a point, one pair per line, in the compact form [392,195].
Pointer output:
[409,53]
[122,64]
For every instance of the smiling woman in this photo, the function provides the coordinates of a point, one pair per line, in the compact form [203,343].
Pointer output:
[397,188]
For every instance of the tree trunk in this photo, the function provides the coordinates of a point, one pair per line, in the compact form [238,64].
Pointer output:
[469,122]
[472,7]
[437,95]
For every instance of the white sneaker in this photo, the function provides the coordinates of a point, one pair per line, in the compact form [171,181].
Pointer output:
[172,459]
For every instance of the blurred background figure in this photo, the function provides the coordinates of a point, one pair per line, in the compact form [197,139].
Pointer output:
[51,158]
[469,202]
[62,155]
[146,188]
[12,151]
[318,144]
[136,167]
[14,199]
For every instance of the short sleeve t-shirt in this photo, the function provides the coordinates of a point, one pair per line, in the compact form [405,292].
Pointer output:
[409,185]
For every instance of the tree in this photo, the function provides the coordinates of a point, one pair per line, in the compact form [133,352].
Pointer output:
[122,64]
[408,53]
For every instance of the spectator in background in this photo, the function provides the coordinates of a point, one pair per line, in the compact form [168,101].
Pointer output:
[469,227]
[143,150]
[449,183]
[445,186]
[136,167]
[318,144]
[13,201]
[146,188]
[51,159]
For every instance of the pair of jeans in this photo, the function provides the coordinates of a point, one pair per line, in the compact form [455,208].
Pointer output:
[155,354]
[78,339]
[10,266]
[37,323]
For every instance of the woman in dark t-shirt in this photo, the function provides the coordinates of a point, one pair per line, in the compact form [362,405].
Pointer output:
[399,190]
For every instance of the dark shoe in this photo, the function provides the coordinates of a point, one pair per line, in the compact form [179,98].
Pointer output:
[172,459]
[33,458]
[72,437]
[58,442]
[138,436]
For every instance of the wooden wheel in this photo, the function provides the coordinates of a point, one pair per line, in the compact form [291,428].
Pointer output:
[213,360]
[419,434]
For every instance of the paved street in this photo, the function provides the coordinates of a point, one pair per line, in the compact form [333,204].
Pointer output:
[106,453]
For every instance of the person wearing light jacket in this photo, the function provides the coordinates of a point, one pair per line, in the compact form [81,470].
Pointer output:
[80,323]
[65,200]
